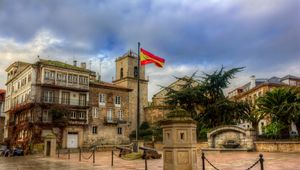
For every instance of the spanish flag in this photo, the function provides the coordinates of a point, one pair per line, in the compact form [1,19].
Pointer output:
[148,58]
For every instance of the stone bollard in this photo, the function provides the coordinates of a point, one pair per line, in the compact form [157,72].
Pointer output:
[179,138]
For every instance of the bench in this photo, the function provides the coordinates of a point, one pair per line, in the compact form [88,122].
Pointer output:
[150,153]
[123,150]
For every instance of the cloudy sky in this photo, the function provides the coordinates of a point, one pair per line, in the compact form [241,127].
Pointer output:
[192,35]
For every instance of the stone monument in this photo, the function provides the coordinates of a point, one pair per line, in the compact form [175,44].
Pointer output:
[179,139]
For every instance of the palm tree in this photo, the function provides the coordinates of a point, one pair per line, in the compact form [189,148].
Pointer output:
[282,105]
[252,115]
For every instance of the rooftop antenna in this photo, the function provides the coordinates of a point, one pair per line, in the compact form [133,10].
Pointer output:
[90,64]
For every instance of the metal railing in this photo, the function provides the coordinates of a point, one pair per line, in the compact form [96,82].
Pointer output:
[63,101]
[110,120]
[63,153]
[259,161]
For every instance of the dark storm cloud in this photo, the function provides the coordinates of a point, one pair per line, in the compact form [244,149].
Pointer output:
[261,35]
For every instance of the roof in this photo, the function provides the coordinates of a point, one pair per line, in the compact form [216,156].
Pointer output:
[62,65]
[17,63]
[259,86]
[290,77]
[109,85]
[2,91]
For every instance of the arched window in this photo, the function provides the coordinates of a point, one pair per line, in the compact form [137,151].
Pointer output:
[121,73]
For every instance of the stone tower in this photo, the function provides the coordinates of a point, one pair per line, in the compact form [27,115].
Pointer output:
[126,76]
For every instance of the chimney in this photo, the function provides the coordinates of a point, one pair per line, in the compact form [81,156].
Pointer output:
[75,63]
[252,82]
[83,65]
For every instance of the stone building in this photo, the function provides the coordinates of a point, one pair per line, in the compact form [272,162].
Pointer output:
[258,87]
[126,76]
[2,116]
[36,91]
[51,97]
[109,121]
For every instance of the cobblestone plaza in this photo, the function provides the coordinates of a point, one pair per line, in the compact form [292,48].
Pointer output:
[223,161]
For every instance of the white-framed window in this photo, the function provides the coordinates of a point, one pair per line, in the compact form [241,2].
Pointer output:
[120,131]
[70,78]
[83,80]
[95,130]
[95,112]
[81,115]
[117,101]
[46,116]
[73,115]
[120,115]
[65,98]
[109,115]
[102,99]
[82,100]
[49,75]
[74,79]
[48,96]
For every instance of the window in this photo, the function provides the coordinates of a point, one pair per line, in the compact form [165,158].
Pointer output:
[81,115]
[95,130]
[109,115]
[121,73]
[120,130]
[73,115]
[118,101]
[65,99]
[70,78]
[293,83]
[48,96]
[49,75]
[120,114]
[82,99]
[83,80]
[59,76]
[46,116]
[102,99]
[74,79]
[95,112]
[29,78]
[135,73]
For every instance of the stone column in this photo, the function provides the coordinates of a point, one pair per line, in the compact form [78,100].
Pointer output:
[179,138]
[250,137]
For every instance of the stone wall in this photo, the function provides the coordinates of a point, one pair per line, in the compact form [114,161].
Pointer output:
[277,146]
[107,132]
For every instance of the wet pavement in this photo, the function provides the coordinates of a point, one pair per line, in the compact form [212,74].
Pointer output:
[223,161]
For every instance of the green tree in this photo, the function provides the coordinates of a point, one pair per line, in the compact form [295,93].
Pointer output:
[204,99]
[252,115]
[145,132]
[282,105]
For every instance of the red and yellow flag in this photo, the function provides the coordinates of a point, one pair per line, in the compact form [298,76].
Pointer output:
[148,58]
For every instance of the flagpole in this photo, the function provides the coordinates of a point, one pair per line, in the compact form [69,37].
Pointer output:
[138,95]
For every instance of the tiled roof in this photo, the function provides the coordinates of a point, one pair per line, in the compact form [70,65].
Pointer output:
[2,91]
